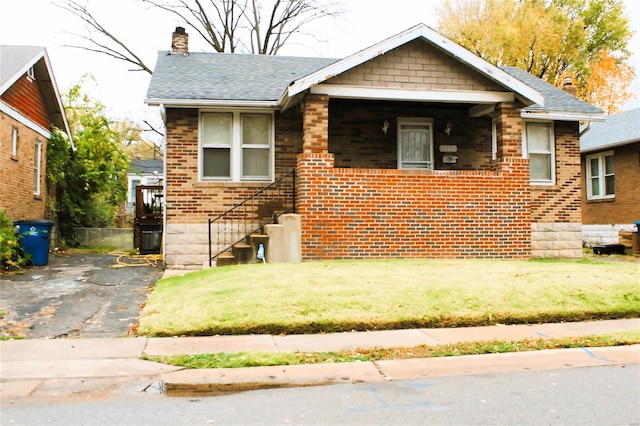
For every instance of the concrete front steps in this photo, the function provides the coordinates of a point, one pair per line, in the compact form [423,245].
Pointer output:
[244,252]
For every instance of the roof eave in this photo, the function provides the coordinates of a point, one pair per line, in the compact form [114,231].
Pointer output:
[605,147]
[562,116]
[203,103]
[54,85]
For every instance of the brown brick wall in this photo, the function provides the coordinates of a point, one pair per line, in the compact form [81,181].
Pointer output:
[416,65]
[560,203]
[16,173]
[355,213]
[189,201]
[625,207]
[25,96]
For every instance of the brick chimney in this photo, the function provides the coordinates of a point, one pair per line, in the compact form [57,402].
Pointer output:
[180,42]
[568,87]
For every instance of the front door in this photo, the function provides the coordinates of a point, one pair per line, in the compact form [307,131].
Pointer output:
[415,143]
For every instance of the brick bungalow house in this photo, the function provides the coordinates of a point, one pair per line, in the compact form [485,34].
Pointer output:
[611,185]
[413,147]
[30,107]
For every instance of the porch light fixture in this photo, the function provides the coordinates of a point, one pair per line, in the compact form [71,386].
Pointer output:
[447,130]
[385,126]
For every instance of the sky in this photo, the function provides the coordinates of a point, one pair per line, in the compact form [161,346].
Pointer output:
[122,91]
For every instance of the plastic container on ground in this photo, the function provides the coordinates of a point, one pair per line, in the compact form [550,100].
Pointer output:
[35,238]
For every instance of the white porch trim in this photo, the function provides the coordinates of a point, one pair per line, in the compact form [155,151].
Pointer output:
[383,93]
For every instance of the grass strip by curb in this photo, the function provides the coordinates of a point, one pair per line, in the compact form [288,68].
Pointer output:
[261,359]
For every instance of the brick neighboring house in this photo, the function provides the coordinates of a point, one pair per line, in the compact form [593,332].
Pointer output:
[413,147]
[30,107]
[610,154]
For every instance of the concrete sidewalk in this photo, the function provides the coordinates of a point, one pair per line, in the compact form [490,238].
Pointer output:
[96,367]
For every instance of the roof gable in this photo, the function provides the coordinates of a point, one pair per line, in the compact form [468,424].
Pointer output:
[427,34]
[15,61]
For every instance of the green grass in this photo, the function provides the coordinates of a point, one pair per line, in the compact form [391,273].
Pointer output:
[255,359]
[332,296]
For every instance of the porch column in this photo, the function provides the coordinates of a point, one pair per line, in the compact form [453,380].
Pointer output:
[315,125]
[509,128]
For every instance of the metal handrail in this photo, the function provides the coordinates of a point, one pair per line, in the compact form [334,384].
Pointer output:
[246,216]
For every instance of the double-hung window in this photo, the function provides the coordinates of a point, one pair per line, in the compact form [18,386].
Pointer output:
[600,176]
[37,166]
[236,146]
[539,143]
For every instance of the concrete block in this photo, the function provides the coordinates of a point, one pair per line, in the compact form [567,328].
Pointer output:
[285,239]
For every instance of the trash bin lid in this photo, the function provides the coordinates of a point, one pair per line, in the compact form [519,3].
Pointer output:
[35,222]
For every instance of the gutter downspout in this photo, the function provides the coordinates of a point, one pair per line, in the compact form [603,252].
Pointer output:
[163,115]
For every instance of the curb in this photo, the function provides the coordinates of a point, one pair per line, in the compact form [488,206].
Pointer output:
[215,382]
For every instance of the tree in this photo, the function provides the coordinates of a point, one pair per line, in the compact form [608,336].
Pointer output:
[607,82]
[89,184]
[248,26]
[547,38]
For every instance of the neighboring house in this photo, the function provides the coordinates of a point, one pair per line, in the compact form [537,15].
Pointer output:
[30,108]
[610,154]
[142,172]
[413,147]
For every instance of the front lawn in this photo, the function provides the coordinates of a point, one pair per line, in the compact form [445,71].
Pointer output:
[331,296]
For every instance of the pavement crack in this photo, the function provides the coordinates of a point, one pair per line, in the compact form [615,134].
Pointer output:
[377,366]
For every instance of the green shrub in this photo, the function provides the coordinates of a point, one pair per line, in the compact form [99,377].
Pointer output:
[12,257]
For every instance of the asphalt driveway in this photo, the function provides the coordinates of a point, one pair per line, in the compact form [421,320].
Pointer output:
[76,295]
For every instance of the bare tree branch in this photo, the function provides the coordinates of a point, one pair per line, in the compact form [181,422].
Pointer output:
[121,51]
[249,26]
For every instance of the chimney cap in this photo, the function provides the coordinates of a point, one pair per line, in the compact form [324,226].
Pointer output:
[180,30]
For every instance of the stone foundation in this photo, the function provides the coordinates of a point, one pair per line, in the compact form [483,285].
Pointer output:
[556,240]
[593,235]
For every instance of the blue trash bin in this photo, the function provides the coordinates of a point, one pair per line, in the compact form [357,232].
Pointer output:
[35,238]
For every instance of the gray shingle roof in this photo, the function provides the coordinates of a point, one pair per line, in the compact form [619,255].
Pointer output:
[223,76]
[236,77]
[619,129]
[14,59]
[555,99]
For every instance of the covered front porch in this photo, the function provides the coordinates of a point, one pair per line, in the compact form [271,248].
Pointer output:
[412,179]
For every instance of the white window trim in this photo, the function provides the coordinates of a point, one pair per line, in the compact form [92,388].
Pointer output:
[14,141]
[236,146]
[37,167]
[552,138]
[494,139]
[600,156]
[420,121]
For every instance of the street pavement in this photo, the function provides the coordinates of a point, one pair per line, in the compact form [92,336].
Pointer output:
[99,367]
